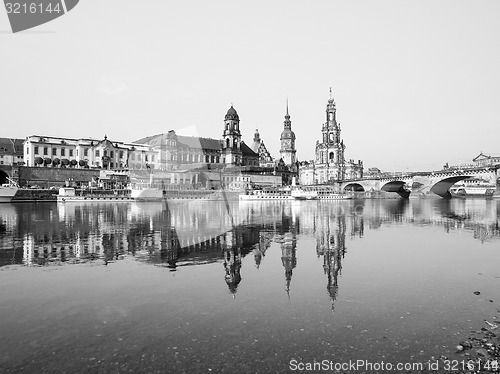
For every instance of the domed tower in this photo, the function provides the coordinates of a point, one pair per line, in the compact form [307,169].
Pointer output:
[287,139]
[231,138]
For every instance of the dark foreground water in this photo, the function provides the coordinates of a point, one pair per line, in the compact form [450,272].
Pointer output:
[265,287]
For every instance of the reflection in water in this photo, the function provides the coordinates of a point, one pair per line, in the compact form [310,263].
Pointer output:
[203,232]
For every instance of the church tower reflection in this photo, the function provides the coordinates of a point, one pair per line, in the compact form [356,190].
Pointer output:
[331,231]
[289,258]
[232,262]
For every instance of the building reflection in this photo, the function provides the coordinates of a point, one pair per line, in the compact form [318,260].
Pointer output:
[198,233]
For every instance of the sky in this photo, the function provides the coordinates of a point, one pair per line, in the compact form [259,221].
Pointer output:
[416,83]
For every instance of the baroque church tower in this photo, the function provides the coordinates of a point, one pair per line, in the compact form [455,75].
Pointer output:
[231,138]
[287,139]
[330,151]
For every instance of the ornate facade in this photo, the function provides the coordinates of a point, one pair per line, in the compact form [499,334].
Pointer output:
[330,164]
[258,146]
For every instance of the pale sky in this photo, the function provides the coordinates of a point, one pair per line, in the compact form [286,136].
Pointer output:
[417,83]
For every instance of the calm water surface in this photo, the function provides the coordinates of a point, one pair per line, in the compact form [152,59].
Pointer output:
[202,287]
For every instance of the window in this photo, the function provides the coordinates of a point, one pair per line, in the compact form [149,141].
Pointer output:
[85,152]
[97,154]
[133,157]
[105,152]
[63,152]
[152,158]
[36,150]
[121,154]
[45,151]
[27,151]
[111,154]
[70,153]
[146,158]
[54,152]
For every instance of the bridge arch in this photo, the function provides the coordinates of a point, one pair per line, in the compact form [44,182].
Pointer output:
[355,187]
[393,186]
[442,187]
[3,176]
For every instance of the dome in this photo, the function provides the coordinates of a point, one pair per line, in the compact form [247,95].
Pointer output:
[287,134]
[232,114]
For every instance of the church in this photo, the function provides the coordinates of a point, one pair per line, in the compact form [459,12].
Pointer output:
[329,164]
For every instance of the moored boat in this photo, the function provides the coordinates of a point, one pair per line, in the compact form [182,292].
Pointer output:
[8,191]
[146,194]
[300,194]
[473,188]
[275,193]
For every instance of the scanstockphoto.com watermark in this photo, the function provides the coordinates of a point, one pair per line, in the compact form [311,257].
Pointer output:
[26,14]
[398,367]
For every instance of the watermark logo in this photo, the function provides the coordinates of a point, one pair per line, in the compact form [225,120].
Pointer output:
[26,14]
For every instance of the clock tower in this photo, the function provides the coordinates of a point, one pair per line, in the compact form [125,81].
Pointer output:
[287,139]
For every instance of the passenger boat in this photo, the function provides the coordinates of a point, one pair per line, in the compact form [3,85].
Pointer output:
[328,193]
[473,188]
[300,194]
[271,193]
[69,194]
[8,191]
[146,194]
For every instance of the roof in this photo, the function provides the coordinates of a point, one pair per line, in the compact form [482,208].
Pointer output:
[6,146]
[482,156]
[196,142]
[247,151]
[186,141]
[232,114]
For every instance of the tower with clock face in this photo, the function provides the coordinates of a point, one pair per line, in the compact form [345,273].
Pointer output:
[288,151]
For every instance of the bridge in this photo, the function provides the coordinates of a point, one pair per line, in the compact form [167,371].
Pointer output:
[422,183]
[7,171]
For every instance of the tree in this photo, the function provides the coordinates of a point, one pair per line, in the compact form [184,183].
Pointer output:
[38,160]
[56,162]
[64,162]
[73,163]
[47,161]
[82,163]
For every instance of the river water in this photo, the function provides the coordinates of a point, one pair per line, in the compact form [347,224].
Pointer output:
[253,287]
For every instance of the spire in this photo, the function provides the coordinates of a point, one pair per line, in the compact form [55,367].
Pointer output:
[288,123]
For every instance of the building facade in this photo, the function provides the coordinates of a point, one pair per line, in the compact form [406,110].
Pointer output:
[11,152]
[330,164]
[176,152]
[50,151]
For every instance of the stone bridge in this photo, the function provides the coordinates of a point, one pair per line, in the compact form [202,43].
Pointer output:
[6,171]
[422,183]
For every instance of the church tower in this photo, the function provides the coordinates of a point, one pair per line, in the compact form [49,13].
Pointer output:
[231,138]
[287,139]
[330,151]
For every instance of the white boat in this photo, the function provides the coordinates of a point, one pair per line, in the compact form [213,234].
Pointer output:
[146,194]
[277,193]
[8,191]
[68,194]
[300,194]
[473,188]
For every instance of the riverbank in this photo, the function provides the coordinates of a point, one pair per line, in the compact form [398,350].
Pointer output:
[479,353]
